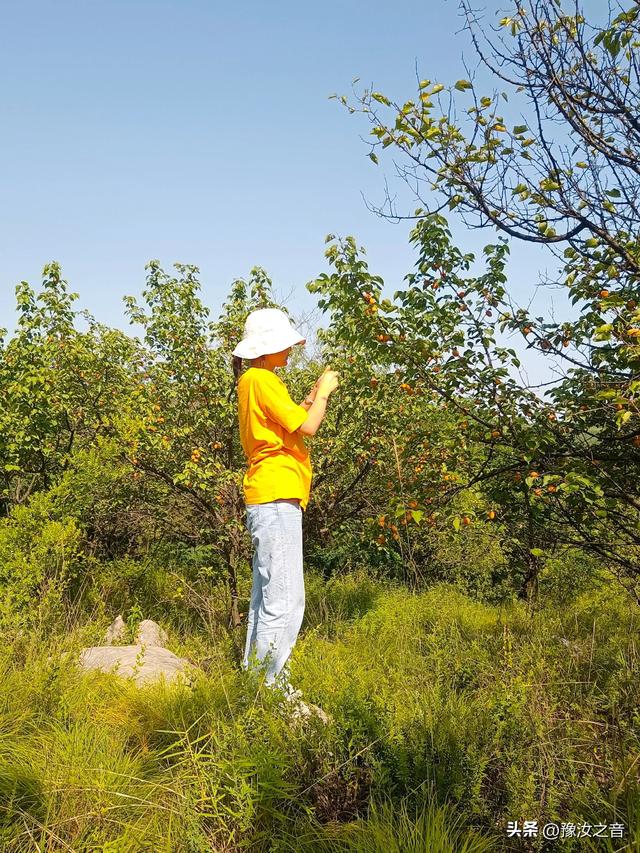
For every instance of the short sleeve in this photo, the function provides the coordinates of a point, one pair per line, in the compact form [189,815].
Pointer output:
[278,405]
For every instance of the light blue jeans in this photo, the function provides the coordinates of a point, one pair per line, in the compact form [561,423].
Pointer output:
[277,594]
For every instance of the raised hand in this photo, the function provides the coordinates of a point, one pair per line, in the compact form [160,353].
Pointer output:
[328,382]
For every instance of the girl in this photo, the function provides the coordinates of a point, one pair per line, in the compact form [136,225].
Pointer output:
[276,485]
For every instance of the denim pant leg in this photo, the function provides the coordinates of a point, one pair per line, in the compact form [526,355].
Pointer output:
[277,596]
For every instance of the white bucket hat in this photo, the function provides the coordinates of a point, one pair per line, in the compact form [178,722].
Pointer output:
[266,331]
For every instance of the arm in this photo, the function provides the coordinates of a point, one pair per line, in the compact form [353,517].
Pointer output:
[311,396]
[325,386]
[315,417]
[308,402]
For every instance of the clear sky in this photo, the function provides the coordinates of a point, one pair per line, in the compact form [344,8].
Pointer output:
[202,132]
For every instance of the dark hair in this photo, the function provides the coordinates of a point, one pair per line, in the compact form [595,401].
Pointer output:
[236,364]
[237,368]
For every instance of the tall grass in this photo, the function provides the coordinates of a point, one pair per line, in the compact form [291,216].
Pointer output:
[394,828]
[497,713]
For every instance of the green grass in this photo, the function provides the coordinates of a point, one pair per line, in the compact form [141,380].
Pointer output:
[449,717]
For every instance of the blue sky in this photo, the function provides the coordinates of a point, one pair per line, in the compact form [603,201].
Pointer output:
[202,132]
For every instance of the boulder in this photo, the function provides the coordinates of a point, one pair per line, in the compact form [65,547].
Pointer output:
[151,634]
[142,663]
[145,661]
[116,632]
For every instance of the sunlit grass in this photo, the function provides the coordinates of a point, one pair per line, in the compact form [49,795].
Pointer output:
[497,713]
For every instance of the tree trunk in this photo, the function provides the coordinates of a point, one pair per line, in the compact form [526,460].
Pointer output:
[232,562]
[529,587]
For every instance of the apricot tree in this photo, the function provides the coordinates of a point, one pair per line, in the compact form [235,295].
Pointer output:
[563,174]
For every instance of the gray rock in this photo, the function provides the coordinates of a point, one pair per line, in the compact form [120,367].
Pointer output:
[151,634]
[305,710]
[143,663]
[116,631]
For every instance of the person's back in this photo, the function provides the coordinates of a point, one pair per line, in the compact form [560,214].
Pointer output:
[278,461]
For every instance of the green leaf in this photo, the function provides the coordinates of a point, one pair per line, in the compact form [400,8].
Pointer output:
[463,85]
[381,99]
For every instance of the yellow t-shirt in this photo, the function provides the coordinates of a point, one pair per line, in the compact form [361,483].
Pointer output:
[279,465]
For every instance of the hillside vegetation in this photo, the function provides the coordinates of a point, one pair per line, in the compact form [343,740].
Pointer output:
[449,717]
[472,546]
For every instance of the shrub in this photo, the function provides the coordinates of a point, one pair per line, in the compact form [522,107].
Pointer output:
[40,559]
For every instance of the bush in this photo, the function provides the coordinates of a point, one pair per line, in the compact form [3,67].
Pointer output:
[40,561]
